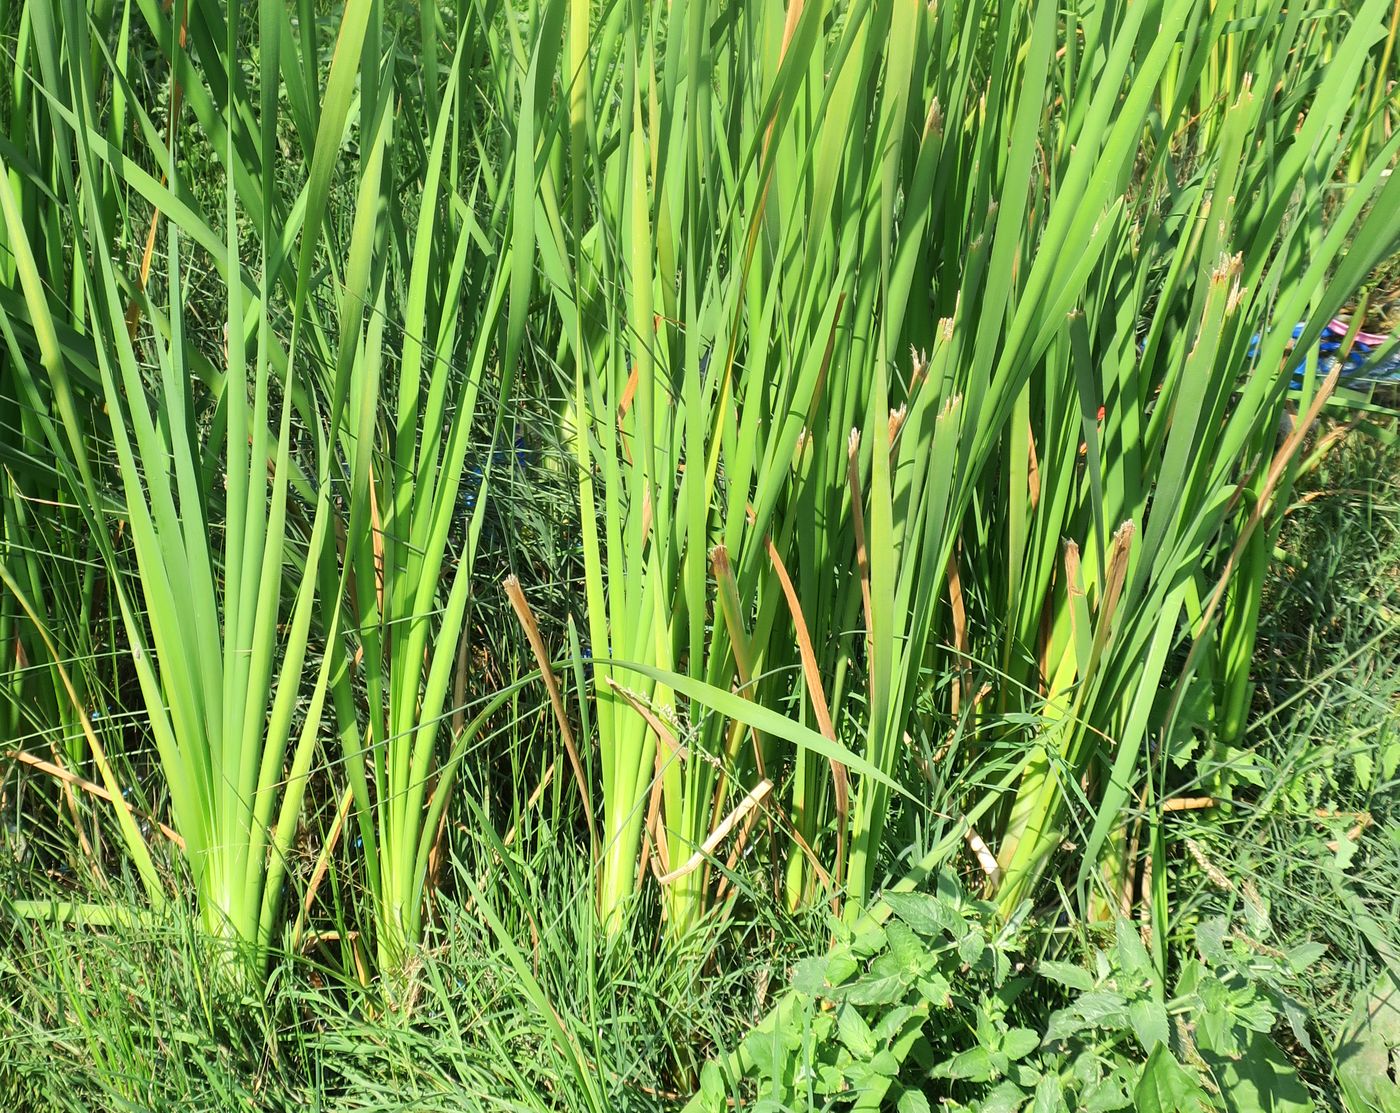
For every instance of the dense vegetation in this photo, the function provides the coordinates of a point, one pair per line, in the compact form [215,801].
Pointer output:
[563,554]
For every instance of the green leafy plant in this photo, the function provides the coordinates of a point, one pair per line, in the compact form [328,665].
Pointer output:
[1367,1049]
[864,1023]
[928,1009]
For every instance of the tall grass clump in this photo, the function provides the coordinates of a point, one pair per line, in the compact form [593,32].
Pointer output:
[218,630]
[911,343]
[360,500]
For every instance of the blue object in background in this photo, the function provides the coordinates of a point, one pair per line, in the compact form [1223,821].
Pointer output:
[1355,369]
[522,455]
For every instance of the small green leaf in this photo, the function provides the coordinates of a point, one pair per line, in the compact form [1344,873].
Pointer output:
[893,1022]
[973,1065]
[1305,954]
[1133,959]
[1098,1009]
[1368,1050]
[809,976]
[1259,1079]
[884,990]
[912,1101]
[712,1094]
[1149,1021]
[936,991]
[1297,1018]
[971,947]
[854,1032]
[1104,1096]
[1019,1042]
[1067,974]
[927,914]
[1005,1097]
[884,1064]
[906,948]
[1102,1008]
[1049,1096]
[1166,1087]
[1210,938]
